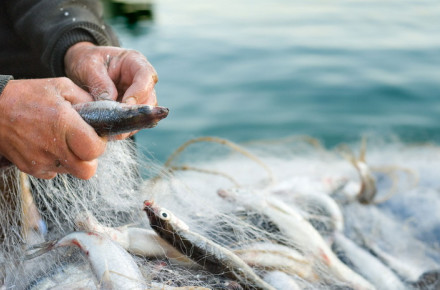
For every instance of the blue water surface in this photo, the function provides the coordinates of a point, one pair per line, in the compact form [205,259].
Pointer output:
[246,70]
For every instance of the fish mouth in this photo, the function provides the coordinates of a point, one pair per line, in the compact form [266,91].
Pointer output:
[150,208]
[152,212]
[148,205]
[159,112]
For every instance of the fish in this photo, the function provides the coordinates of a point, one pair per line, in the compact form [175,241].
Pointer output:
[405,268]
[281,280]
[366,264]
[276,257]
[298,230]
[110,118]
[428,280]
[320,209]
[113,267]
[213,257]
[138,241]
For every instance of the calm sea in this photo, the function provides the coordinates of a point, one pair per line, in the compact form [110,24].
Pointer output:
[246,70]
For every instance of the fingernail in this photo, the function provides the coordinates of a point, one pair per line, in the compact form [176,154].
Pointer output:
[131,101]
[104,96]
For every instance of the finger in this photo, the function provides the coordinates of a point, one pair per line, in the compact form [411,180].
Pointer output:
[72,93]
[141,91]
[88,66]
[44,165]
[46,175]
[82,139]
[39,172]
[84,169]
[133,133]
[121,136]
[60,166]
[154,98]
[125,135]
[69,163]
[99,83]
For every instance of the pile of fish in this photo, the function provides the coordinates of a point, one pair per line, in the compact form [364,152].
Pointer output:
[252,218]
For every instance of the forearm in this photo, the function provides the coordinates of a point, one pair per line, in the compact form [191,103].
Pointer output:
[51,27]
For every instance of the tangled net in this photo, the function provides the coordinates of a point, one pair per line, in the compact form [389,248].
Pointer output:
[302,216]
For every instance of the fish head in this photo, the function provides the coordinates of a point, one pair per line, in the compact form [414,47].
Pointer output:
[160,112]
[162,220]
[155,114]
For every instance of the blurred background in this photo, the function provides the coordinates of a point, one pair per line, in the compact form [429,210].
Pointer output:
[246,70]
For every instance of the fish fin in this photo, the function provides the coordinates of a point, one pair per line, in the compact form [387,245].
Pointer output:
[43,248]
[42,245]
[106,281]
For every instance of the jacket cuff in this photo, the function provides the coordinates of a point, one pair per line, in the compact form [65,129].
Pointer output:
[4,79]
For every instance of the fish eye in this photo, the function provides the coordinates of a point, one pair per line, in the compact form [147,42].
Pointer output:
[165,215]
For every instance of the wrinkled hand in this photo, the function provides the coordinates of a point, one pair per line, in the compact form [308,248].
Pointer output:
[112,73]
[42,134]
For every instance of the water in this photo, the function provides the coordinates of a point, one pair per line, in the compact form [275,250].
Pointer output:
[246,70]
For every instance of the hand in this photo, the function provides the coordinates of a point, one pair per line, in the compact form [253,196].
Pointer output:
[42,134]
[112,73]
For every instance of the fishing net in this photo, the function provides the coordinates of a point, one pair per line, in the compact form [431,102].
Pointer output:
[294,210]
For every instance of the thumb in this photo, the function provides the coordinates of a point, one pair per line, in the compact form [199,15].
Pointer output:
[100,85]
[87,67]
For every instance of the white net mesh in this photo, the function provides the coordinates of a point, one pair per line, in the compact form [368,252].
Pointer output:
[289,208]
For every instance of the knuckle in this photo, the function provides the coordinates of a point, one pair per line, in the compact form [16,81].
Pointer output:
[139,58]
[60,120]
[64,81]
[135,53]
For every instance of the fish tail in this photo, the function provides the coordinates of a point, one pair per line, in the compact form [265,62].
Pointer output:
[43,248]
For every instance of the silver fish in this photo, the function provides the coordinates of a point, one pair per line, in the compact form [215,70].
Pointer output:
[138,241]
[113,267]
[211,256]
[367,265]
[298,230]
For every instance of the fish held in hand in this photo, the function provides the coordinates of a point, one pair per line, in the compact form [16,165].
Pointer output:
[110,118]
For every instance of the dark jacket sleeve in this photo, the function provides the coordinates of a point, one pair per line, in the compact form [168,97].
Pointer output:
[50,27]
[4,79]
